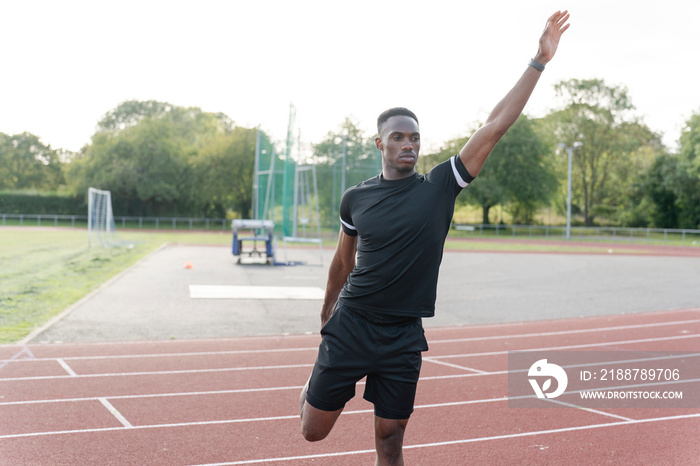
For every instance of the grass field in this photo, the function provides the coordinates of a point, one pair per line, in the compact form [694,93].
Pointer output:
[46,269]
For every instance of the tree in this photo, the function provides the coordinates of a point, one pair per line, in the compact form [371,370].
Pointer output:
[523,166]
[191,121]
[144,151]
[598,116]
[223,171]
[657,192]
[488,192]
[516,174]
[669,191]
[640,147]
[129,113]
[687,186]
[27,163]
[142,164]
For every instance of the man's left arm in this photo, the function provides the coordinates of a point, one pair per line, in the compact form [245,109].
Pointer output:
[477,149]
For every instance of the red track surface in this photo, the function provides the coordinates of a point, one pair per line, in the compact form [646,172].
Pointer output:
[236,402]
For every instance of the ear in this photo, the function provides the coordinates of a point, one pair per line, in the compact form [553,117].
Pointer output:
[378,143]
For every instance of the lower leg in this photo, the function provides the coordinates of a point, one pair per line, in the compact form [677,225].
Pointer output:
[388,440]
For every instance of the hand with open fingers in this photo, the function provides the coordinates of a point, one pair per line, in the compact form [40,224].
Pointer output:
[556,25]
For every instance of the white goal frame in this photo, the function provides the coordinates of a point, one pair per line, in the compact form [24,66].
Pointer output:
[101,224]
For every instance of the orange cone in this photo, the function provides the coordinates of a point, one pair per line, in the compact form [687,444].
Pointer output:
[188,265]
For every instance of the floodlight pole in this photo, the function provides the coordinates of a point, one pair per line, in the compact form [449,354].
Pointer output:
[256,174]
[570,150]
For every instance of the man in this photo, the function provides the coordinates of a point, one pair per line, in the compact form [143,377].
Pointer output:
[383,277]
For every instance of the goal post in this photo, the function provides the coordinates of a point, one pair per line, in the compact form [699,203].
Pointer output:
[101,226]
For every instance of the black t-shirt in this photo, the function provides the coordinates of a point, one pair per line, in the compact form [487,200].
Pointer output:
[401,227]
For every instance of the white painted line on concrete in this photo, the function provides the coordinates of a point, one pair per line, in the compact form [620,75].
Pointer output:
[255,292]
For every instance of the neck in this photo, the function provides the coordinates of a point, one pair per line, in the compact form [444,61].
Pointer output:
[391,174]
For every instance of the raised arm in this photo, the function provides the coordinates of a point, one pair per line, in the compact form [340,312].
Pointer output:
[341,265]
[502,117]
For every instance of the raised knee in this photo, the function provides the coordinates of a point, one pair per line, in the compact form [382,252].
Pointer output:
[311,430]
[312,435]
[316,424]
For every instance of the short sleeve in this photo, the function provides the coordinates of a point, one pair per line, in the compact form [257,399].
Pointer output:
[460,172]
[346,215]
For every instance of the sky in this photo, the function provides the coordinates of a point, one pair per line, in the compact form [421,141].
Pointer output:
[67,63]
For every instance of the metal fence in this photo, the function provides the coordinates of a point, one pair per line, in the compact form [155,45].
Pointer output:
[687,237]
[141,223]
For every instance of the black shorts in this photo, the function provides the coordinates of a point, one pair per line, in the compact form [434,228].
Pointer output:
[354,347]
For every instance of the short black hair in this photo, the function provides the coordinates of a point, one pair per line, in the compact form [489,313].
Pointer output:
[396,111]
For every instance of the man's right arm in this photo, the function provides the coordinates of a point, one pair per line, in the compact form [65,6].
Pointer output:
[342,264]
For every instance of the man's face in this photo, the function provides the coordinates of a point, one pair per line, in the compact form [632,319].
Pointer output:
[400,144]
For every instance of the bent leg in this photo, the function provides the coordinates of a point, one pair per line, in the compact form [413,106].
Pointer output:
[316,424]
[388,440]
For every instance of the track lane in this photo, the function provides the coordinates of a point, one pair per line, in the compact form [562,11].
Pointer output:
[166,397]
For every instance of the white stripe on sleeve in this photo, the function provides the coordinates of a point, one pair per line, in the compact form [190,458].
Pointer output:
[458,177]
[348,225]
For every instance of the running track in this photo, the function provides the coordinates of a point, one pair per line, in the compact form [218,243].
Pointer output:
[235,401]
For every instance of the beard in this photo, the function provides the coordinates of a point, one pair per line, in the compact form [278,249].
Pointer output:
[403,168]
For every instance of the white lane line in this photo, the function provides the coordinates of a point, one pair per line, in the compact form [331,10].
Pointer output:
[694,311]
[183,371]
[65,367]
[552,348]
[460,441]
[590,410]
[293,416]
[314,348]
[564,332]
[434,359]
[16,356]
[155,426]
[455,366]
[299,387]
[115,412]
[180,355]
[364,411]
[294,458]
[155,395]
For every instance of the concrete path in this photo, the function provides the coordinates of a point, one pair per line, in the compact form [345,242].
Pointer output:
[151,300]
